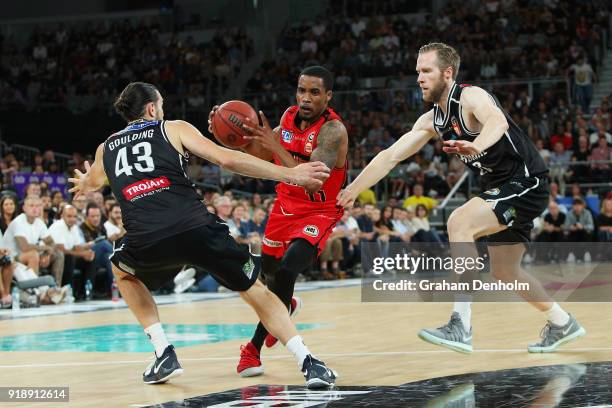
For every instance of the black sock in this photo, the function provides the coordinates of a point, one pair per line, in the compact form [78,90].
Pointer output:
[280,276]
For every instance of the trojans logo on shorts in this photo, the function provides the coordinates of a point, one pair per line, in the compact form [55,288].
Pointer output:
[311,230]
[493,191]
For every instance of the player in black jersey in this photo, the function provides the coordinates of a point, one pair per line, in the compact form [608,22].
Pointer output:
[515,190]
[168,226]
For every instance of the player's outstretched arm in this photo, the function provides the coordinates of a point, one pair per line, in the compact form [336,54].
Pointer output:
[385,161]
[308,175]
[477,101]
[94,177]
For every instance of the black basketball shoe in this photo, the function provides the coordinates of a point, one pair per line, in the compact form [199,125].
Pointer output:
[317,374]
[163,368]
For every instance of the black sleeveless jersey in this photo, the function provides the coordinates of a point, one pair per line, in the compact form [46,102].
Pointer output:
[148,177]
[514,155]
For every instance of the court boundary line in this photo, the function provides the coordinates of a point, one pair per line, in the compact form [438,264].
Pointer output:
[331,355]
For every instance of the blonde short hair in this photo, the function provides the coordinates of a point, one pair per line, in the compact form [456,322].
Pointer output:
[447,56]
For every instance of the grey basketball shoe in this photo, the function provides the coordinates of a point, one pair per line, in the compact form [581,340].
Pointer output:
[552,336]
[452,335]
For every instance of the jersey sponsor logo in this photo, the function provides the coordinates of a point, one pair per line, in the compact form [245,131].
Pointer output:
[308,148]
[311,230]
[287,136]
[145,187]
[493,191]
[311,137]
[456,126]
[272,244]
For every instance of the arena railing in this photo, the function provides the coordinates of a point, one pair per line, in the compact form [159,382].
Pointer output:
[27,153]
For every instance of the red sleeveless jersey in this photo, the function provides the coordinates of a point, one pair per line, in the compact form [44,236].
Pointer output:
[301,144]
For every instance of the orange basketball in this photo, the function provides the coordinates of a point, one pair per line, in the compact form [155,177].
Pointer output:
[227,123]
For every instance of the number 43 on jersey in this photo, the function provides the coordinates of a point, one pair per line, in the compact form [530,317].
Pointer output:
[143,163]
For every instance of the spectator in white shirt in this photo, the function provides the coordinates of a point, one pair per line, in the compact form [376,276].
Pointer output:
[69,240]
[584,76]
[6,277]
[401,224]
[114,224]
[28,238]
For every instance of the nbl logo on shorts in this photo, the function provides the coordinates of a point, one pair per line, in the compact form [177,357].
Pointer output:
[311,230]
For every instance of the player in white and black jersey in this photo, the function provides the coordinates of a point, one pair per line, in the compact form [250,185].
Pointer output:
[515,190]
[168,226]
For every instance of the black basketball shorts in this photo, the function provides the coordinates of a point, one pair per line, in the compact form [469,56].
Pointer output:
[516,204]
[210,247]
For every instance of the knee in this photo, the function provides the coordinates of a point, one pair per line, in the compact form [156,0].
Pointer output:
[299,257]
[460,227]
[505,273]
[29,256]
[251,294]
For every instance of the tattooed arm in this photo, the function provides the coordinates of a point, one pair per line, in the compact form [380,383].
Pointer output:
[332,140]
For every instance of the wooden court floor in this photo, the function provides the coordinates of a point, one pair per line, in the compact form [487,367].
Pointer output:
[367,343]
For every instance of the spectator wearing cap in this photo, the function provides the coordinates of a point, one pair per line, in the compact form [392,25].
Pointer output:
[579,227]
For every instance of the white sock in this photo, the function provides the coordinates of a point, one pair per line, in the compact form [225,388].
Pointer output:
[557,316]
[299,350]
[463,306]
[158,338]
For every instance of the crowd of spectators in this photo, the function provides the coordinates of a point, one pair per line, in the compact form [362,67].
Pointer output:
[504,39]
[70,240]
[82,66]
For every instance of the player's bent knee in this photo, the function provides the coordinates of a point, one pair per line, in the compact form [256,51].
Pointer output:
[505,273]
[460,225]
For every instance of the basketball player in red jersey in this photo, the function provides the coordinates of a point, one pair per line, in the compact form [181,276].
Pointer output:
[301,220]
